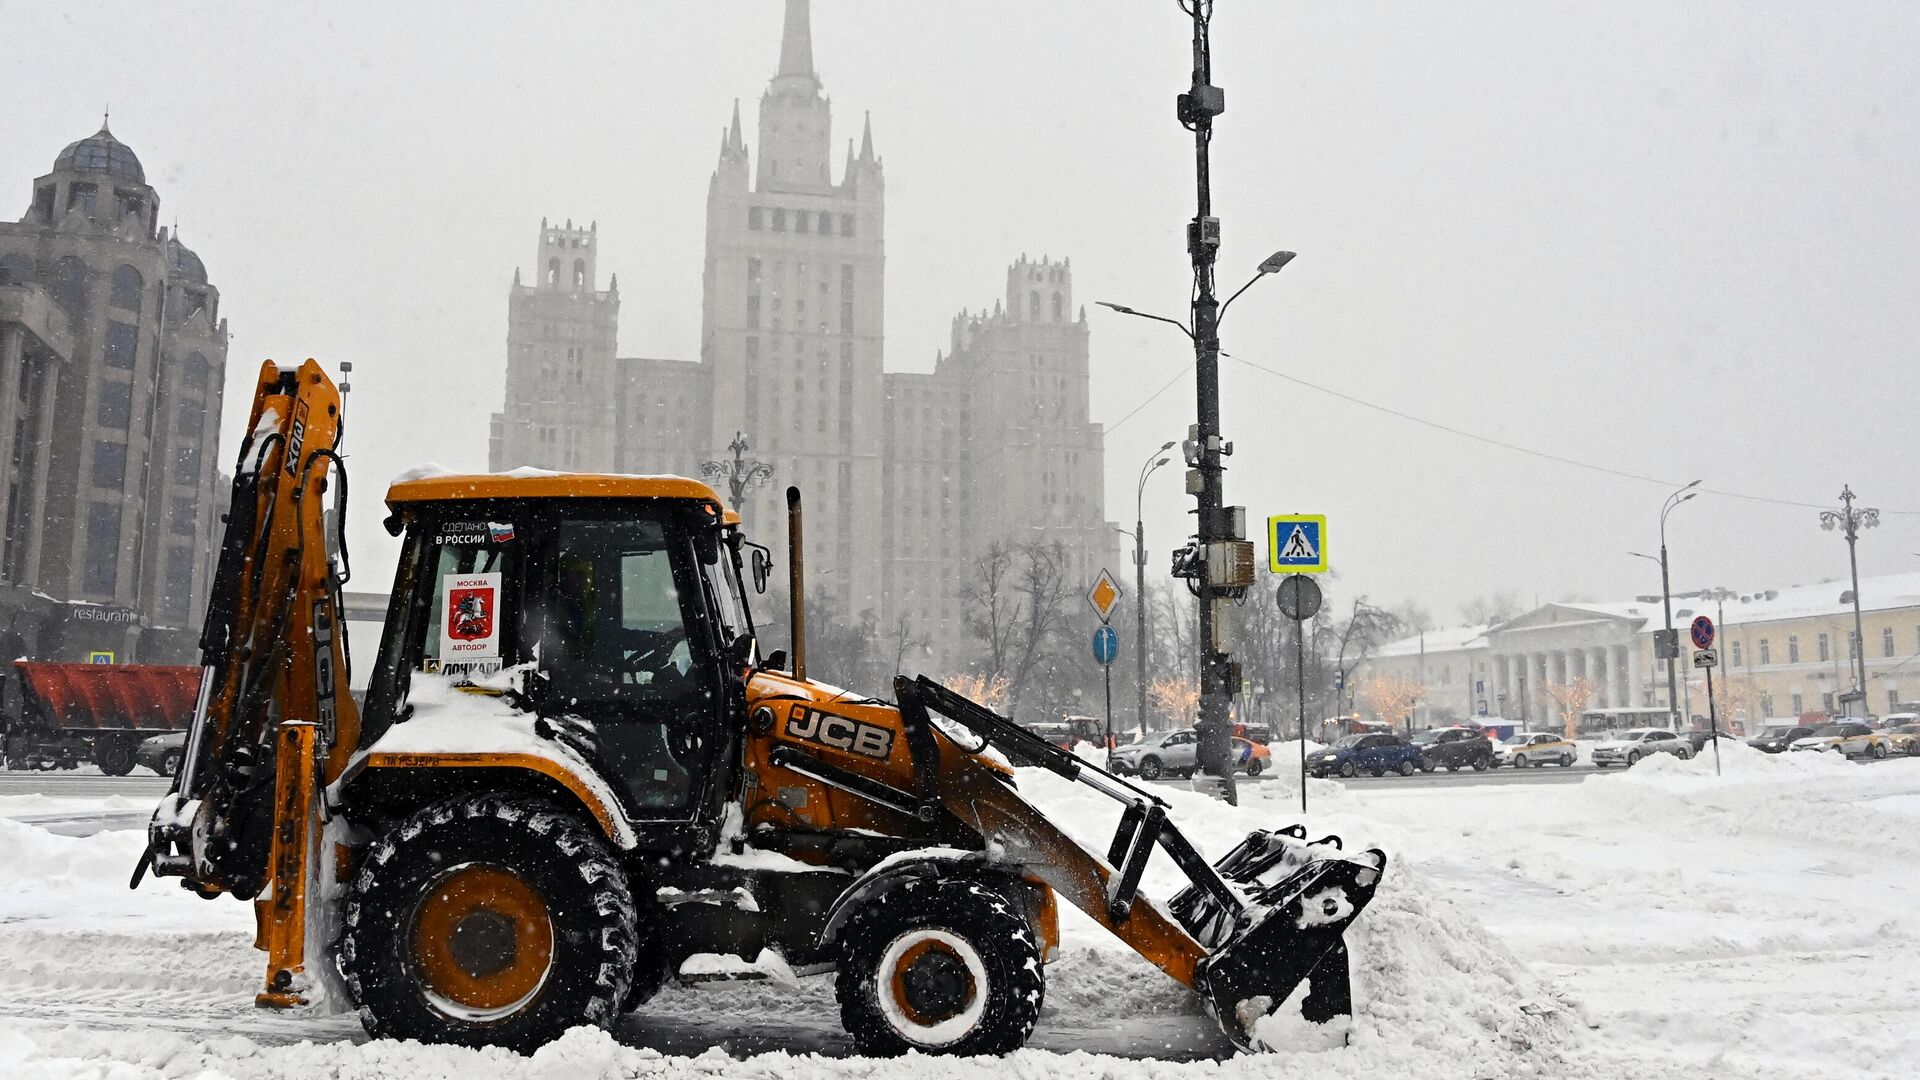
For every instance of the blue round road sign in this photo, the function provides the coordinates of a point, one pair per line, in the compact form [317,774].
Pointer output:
[1702,632]
[1106,644]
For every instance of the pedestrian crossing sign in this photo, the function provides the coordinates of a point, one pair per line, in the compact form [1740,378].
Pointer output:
[1297,544]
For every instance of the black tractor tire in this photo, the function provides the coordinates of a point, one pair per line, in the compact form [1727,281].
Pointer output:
[1255,767]
[966,932]
[1150,768]
[1406,767]
[1347,770]
[113,754]
[539,873]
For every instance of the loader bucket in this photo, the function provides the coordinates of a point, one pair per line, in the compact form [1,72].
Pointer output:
[1299,900]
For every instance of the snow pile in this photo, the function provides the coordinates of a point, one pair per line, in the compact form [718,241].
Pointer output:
[1430,983]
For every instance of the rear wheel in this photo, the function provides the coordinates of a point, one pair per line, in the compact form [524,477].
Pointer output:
[114,755]
[1482,764]
[1566,760]
[491,920]
[1150,768]
[170,764]
[1406,767]
[1256,767]
[939,965]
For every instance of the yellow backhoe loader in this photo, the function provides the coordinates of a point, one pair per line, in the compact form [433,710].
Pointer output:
[574,771]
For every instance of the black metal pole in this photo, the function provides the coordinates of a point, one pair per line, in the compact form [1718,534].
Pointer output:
[1300,692]
[1108,668]
[1713,723]
[1198,107]
[1666,600]
[1140,615]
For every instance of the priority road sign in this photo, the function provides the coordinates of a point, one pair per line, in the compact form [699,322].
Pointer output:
[1702,632]
[1106,644]
[1297,543]
[1104,595]
[1705,658]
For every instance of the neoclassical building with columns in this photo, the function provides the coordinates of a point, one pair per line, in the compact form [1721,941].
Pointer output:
[1786,654]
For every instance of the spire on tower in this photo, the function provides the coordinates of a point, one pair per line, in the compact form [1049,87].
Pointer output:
[734,139]
[796,42]
[866,140]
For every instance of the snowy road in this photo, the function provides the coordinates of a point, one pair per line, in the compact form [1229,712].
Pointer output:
[1655,923]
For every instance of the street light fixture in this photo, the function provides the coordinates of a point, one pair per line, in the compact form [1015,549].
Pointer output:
[1272,264]
[1154,461]
[1681,495]
[1851,520]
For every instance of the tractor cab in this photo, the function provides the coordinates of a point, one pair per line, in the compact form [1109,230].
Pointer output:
[611,608]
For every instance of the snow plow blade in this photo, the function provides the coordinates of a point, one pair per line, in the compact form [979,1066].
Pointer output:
[1299,898]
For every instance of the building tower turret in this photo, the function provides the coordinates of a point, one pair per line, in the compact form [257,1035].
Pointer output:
[795,116]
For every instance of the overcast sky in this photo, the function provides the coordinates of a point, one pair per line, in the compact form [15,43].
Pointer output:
[1677,240]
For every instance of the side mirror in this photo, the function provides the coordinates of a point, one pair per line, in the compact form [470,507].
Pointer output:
[762,563]
[740,652]
[777,659]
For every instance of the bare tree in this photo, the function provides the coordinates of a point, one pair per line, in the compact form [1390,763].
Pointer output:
[1414,618]
[905,640]
[1017,600]
[1491,609]
[1366,628]
[992,610]
[1572,697]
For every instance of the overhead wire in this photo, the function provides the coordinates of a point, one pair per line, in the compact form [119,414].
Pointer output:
[1528,450]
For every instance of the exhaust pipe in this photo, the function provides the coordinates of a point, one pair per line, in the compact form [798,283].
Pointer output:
[796,585]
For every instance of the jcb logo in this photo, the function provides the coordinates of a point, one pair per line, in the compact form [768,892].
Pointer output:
[840,732]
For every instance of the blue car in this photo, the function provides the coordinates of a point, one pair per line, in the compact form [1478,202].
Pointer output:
[1370,752]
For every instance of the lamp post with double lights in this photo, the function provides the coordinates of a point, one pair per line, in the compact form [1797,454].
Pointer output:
[1153,462]
[1672,642]
[1850,519]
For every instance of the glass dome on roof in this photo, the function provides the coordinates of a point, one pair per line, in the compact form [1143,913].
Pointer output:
[102,152]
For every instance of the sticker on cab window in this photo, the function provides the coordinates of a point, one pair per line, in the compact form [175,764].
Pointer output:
[470,629]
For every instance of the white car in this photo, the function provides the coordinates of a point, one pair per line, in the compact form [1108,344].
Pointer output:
[1535,748]
[1629,747]
[1158,753]
[1850,738]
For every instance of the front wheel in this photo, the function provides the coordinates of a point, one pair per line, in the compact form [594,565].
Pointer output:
[942,966]
[1150,768]
[492,920]
[1566,761]
[1879,750]
[1482,764]
[1519,761]
[1633,759]
[1426,766]
[1347,770]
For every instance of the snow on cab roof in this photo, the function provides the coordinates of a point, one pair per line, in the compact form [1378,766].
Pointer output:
[432,484]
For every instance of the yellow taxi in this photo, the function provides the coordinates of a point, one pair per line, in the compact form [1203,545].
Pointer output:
[1535,748]
[1849,737]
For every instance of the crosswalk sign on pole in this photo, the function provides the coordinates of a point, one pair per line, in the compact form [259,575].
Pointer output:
[1297,544]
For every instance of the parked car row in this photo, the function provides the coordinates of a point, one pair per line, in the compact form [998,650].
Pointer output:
[1852,738]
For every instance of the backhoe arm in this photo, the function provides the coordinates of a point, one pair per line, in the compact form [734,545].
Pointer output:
[274,721]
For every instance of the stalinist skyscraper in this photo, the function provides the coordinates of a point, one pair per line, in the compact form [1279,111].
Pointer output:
[908,476]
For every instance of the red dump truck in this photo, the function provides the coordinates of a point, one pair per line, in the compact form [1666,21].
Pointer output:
[58,716]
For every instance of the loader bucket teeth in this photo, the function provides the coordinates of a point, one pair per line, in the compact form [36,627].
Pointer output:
[1300,898]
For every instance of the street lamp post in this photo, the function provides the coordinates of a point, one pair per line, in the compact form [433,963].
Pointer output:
[739,473]
[1666,604]
[1850,520]
[1154,461]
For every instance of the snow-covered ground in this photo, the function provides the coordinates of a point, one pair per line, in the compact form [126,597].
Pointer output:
[1660,922]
